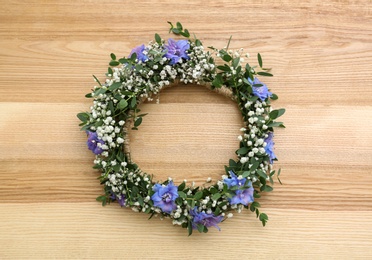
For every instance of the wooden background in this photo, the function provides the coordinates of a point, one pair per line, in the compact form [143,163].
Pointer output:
[321,54]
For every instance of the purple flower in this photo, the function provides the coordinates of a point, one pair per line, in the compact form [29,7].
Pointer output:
[120,199]
[165,196]
[139,51]
[176,50]
[269,148]
[202,218]
[93,142]
[243,196]
[234,181]
[261,92]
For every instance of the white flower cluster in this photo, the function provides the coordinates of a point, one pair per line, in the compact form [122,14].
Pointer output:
[254,134]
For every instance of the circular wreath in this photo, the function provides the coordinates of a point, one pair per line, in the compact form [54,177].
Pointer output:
[139,77]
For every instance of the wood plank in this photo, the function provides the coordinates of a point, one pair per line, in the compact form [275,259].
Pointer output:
[83,231]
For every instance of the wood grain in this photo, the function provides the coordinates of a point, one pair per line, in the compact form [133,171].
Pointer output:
[321,55]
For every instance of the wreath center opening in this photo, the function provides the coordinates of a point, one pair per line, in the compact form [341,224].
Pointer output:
[191,134]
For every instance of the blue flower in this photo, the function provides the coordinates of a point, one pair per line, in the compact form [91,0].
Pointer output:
[202,218]
[234,181]
[139,51]
[176,50]
[165,196]
[269,148]
[243,196]
[93,142]
[261,92]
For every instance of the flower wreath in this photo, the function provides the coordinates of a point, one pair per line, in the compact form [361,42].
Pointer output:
[147,70]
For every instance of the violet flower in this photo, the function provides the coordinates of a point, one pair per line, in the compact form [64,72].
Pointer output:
[261,92]
[93,142]
[165,196]
[176,50]
[269,148]
[139,51]
[202,218]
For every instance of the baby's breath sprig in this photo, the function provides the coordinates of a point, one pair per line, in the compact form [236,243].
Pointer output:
[141,76]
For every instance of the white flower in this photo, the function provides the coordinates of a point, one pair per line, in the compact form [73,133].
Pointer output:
[120,140]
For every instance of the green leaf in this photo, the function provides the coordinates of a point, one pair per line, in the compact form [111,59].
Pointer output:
[179,26]
[224,68]
[198,195]
[89,95]
[181,186]
[123,104]
[176,31]
[217,82]
[259,59]
[243,150]
[200,228]
[113,56]
[276,124]
[133,102]
[157,38]
[110,71]
[114,86]
[235,62]
[267,74]
[268,188]
[84,117]
[138,122]
[226,57]
[216,196]
[262,174]
[189,227]
[276,113]
[114,63]
[95,78]
[263,218]
[182,194]
[274,96]
[246,174]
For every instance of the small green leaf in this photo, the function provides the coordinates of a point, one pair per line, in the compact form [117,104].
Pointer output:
[243,150]
[235,62]
[138,122]
[181,187]
[226,57]
[200,228]
[113,56]
[110,71]
[216,196]
[198,195]
[84,117]
[123,104]
[224,68]
[189,227]
[276,113]
[262,73]
[176,31]
[217,82]
[133,102]
[182,194]
[262,174]
[274,96]
[179,26]
[276,124]
[95,78]
[114,86]
[158,38]
[114,63]
[259,59]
